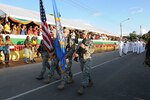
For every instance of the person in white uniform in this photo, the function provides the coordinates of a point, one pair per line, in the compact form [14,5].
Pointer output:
[120,47]
[125,48]
[138,47]
[134,46]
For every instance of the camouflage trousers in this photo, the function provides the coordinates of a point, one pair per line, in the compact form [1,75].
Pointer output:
[67,75]
[45,63]
[86,71]
[54,66]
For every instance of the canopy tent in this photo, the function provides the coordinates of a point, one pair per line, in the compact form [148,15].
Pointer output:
[25,16]
[22,21]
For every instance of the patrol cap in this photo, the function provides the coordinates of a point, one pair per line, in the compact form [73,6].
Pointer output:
[85,32]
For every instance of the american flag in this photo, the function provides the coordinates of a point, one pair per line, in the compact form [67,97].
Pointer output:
[46,33]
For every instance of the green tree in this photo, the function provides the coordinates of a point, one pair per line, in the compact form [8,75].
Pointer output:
[146,36]
[133,35]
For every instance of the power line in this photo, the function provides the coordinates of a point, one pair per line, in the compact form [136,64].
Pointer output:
[76,5]
[84,6]
[90,10]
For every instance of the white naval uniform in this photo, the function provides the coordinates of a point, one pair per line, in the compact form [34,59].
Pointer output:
[121,44]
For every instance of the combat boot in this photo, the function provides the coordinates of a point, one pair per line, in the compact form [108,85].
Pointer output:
[61,85]
[47,81]
[70,80]
[40,77]
[81,90]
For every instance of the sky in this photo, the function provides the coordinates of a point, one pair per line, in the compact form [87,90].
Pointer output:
[104,14]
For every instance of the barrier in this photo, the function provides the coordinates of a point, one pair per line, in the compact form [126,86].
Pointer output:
[105,47]
[17,51]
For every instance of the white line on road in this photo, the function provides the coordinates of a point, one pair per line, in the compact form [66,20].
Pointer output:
[38,88]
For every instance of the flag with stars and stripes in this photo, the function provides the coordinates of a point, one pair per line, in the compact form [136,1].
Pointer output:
[46,33]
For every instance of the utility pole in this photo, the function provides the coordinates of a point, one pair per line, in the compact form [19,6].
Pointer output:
[121,26]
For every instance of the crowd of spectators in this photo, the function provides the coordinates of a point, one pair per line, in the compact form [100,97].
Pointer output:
[30,48]
[20,29]
[35,30]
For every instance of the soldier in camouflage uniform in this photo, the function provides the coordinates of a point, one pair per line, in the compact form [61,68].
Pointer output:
[45,57]
[54,66]
[54,62]
[70,49]
[67,75]
[84,52]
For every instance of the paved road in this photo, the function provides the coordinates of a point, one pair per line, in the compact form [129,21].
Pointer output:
[115,78]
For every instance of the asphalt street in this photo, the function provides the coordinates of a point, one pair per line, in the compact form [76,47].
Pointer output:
[115,78]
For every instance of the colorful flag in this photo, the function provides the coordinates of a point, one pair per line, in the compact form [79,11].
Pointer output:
[46,34]
[60,38]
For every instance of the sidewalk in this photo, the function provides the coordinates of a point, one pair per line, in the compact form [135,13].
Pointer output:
[18,63]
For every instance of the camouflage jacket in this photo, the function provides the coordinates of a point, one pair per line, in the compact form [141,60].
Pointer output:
[89,49]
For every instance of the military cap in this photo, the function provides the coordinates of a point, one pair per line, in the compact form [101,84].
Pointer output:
[85,32]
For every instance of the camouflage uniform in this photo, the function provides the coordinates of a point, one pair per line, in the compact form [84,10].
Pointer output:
[70,49]
[54,66]
[67,76]
[45,63]
[86,63]
[85,58]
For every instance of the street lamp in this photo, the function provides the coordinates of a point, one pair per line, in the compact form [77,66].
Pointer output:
[140,31]
[121,26]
